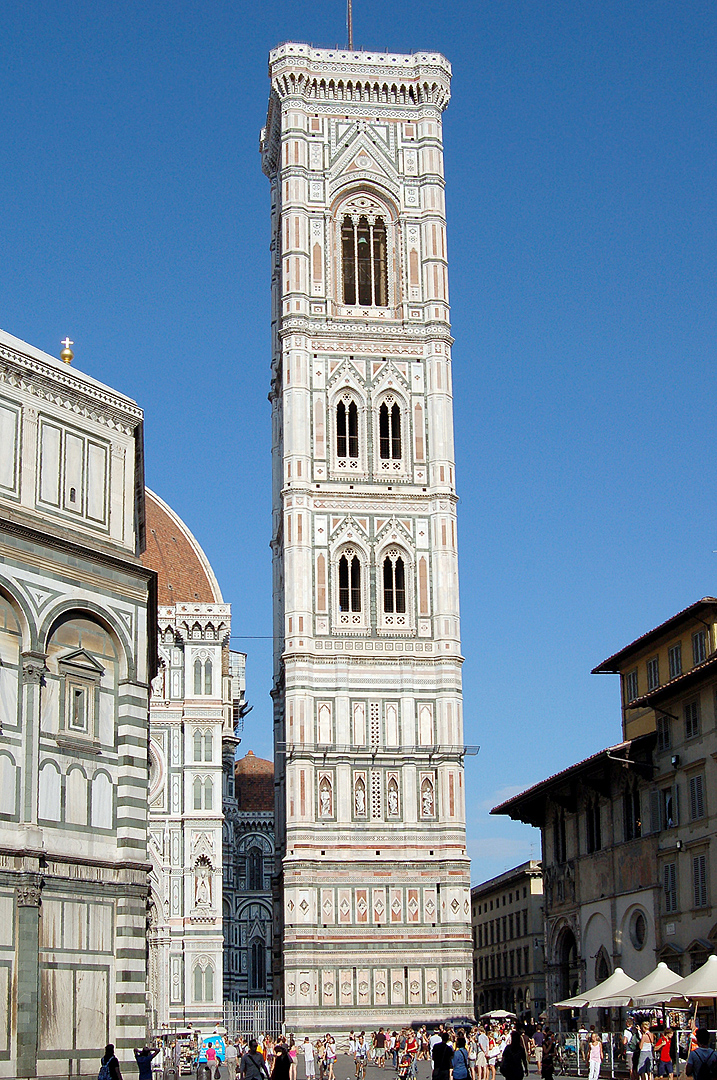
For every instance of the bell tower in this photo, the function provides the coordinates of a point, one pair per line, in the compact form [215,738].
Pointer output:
[373,893]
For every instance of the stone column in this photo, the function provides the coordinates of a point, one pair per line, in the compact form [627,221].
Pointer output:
[28,975]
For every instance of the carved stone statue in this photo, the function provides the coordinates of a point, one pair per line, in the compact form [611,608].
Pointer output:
[360,800]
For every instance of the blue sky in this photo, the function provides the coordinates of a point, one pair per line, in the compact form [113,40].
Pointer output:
[580,164]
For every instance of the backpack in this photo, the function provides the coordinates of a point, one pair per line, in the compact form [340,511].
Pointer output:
[707,1067]
[104,1073]
[634,1043]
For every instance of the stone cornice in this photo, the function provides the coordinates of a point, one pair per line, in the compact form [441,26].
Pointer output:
[323,330]
[70,391]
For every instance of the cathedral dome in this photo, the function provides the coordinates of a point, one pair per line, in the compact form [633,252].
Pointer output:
[254,784]
[184,573]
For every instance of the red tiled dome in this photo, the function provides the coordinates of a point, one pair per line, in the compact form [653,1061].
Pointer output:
[254,782]
[184,573]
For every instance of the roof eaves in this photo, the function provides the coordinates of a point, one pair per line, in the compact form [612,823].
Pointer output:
[609,666]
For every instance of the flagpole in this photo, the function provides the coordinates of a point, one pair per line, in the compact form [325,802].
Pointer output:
[350,24]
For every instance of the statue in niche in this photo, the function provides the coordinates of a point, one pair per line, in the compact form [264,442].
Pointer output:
[427,799]
[360,798]
[325,799]
[202,886]
[393,799]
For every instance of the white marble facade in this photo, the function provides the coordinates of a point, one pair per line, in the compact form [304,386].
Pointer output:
[373,900]
[77,651]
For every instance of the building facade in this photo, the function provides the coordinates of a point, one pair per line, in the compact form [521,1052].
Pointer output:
[77,652]
[249,861]
[370,814]
[196,699]
[507,916]
[628,834]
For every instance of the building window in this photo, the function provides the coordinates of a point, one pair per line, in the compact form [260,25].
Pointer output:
[669,878]
[638,930]
[653,673]
[207,744]
[255,874]
[204,983]
[79,707]
[394,584]
[699,880]
[699,647]
[668,808]
[197,744]
[363,253]
[674,655]
[664,731]
[691,713]
[197,677]
[631,685]
[389,430]
[697,797]
[197,792]
[208,678]
[208,794]
[559,839]
[347,442]
[594,836]
[632,820]
[349,583]
[258,965]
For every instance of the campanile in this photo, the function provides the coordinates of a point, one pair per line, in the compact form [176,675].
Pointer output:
[373,893]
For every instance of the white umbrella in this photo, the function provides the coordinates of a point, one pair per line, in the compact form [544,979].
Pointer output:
[612,991]
[651,989]
[701,985]
[498,1014]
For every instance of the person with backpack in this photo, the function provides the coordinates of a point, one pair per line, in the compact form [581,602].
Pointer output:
[514,1064]
[253,1066]
[631,1040]
[442,1058]
[702,1062]
[109,1065]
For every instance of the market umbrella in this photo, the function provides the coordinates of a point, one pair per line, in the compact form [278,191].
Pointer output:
[701,985]
[651,989]
[612,991]
[498,1014]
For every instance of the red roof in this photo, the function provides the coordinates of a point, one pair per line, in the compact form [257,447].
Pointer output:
[613,663]
[184,573]
[254,783]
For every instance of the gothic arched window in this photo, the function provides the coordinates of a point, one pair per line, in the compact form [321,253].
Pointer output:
[197,677]
[197,744]
[197,792]
[349,584]
[347,443]
[207,746]
[258,965]
[389,431]
[208,677]
[363,253]
[394,585]
[208,794]
[255,875]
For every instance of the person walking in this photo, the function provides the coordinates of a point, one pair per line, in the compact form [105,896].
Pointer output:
[702,1062]
[293,1054]
[109,1065]
[595,1056]
[663,1051]
[547,1066]
[231,1059]
[309,1059]
[647,1040]
[442,1058]
[514,1064]
[253,1066]
[461,1059]
[330,1056]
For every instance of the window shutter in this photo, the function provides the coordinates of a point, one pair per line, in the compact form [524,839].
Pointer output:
[655,823]
[670,881]
[699,879]
[697,801]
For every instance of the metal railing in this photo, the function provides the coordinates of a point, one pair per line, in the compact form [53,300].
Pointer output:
[254,1016]
[573,1052]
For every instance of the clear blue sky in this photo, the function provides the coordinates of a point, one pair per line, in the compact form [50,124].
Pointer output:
[580,163]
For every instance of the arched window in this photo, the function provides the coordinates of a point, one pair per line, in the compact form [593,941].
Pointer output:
[197,791]
[349,584]
[207,746]
[394,585]
[255,870]
[347,430]
[203,983]
[258,965]
[208,677]
[363,253]
[197,744]
[208,794]
[389,430]
[197,677]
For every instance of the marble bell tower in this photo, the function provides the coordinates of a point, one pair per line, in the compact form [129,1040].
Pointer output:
[373,892]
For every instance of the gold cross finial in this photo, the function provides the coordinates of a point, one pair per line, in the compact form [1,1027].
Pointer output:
[67,354]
